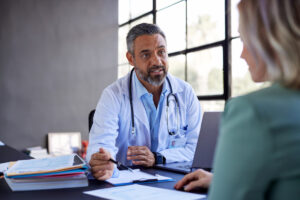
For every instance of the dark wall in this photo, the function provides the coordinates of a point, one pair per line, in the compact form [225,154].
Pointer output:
[56,57]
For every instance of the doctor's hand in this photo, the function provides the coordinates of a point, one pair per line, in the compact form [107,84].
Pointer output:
[196,179]
[140,155]
[101,167]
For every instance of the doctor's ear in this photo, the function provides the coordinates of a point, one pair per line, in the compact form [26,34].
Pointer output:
[130,58]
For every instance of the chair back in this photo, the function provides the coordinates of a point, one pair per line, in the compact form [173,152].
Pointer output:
[91,119]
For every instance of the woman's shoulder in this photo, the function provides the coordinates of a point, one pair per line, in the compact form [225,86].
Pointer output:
[274,94]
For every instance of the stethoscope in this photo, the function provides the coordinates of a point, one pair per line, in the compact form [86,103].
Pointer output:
[169,95]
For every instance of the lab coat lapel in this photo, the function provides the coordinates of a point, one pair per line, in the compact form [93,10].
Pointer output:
[140,112]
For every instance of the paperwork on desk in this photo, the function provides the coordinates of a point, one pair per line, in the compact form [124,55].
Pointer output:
[142,192]
[129,177]
[47,173]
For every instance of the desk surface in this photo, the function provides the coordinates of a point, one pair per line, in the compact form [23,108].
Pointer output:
[9,154]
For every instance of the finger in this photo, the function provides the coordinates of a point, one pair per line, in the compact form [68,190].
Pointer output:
[98,174]
[192,185]
[138,157]
[132,150]
[136,152]
[101,156]
[98,162]
[139,162]
[185,180]
[102,167]
[103,175]
[146,163]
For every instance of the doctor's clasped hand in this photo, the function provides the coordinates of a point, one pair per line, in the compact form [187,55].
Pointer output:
[141,155]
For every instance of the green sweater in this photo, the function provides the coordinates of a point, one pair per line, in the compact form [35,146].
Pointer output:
[258,152]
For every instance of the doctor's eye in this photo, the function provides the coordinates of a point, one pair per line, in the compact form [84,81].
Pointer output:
[162,52]
[145,56]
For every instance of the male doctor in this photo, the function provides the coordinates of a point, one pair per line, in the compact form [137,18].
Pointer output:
[148,116]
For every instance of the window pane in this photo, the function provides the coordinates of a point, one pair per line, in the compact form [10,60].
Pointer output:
[212,105]
[175,32]
[234,18]
[205,71]
[123,11]
[177,66]
[122,47]
[241,78]
[123,70]
[205,22]
[139,7]
[164,3]
[147,19]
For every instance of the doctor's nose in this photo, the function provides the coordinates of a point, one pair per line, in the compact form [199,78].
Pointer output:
[156,60]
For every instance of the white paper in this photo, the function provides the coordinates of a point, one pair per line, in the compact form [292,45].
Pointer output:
[4,166]
[1,143]
[126,176]
[142,192]
[44,164]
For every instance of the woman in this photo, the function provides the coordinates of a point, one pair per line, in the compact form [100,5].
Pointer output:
[258,152]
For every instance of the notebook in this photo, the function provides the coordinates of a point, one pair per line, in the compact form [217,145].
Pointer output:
[204,154]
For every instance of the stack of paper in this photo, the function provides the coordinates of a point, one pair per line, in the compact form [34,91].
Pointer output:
[48,173]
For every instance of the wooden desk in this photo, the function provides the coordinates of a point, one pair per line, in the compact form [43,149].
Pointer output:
[9,154]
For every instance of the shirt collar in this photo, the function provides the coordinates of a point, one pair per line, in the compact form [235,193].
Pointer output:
[141,90]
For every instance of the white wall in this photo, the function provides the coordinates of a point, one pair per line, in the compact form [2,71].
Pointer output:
[56,57]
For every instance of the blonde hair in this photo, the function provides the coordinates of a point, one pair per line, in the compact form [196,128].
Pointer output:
[271,29]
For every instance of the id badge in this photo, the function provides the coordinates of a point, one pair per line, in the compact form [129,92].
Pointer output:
[176,142]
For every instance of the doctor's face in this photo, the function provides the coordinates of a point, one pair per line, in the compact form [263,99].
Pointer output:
[150,59]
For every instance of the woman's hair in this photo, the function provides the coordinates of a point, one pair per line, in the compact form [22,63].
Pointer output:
[271,31]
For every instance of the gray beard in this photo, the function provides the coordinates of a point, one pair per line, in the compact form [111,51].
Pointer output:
[156,81]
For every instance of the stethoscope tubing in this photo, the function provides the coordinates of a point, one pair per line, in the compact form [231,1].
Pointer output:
[170,94]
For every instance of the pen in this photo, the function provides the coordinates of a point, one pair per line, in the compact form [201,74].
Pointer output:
[145,180]
[119,164]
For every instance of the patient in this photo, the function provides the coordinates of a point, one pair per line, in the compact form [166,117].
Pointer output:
[258,152]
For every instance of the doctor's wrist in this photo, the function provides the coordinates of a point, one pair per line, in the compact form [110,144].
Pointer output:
[159,158]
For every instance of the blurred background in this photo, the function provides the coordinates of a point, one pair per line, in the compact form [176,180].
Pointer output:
[56,57]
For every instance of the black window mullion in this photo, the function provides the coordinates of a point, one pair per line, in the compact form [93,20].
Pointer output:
[154,11]
[227,51]
[186,42]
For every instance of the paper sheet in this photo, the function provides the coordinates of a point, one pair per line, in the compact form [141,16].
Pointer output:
[1,143]
[142,192]
[4,167]
[127,177]
[34,165]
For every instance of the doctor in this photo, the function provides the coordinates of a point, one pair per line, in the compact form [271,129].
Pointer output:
[148,116]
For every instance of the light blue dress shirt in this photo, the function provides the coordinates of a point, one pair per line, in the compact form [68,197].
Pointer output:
[153,113]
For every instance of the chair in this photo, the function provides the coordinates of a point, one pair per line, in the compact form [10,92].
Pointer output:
[91,118]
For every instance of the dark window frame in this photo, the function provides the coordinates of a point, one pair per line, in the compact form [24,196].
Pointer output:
[225,44]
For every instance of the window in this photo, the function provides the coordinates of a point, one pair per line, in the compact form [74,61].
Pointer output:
[202,44]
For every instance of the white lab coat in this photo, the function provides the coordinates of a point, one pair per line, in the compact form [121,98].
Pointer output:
[112,122]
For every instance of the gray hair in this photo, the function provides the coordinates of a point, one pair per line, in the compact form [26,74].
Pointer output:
[271,30]
[141,29]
